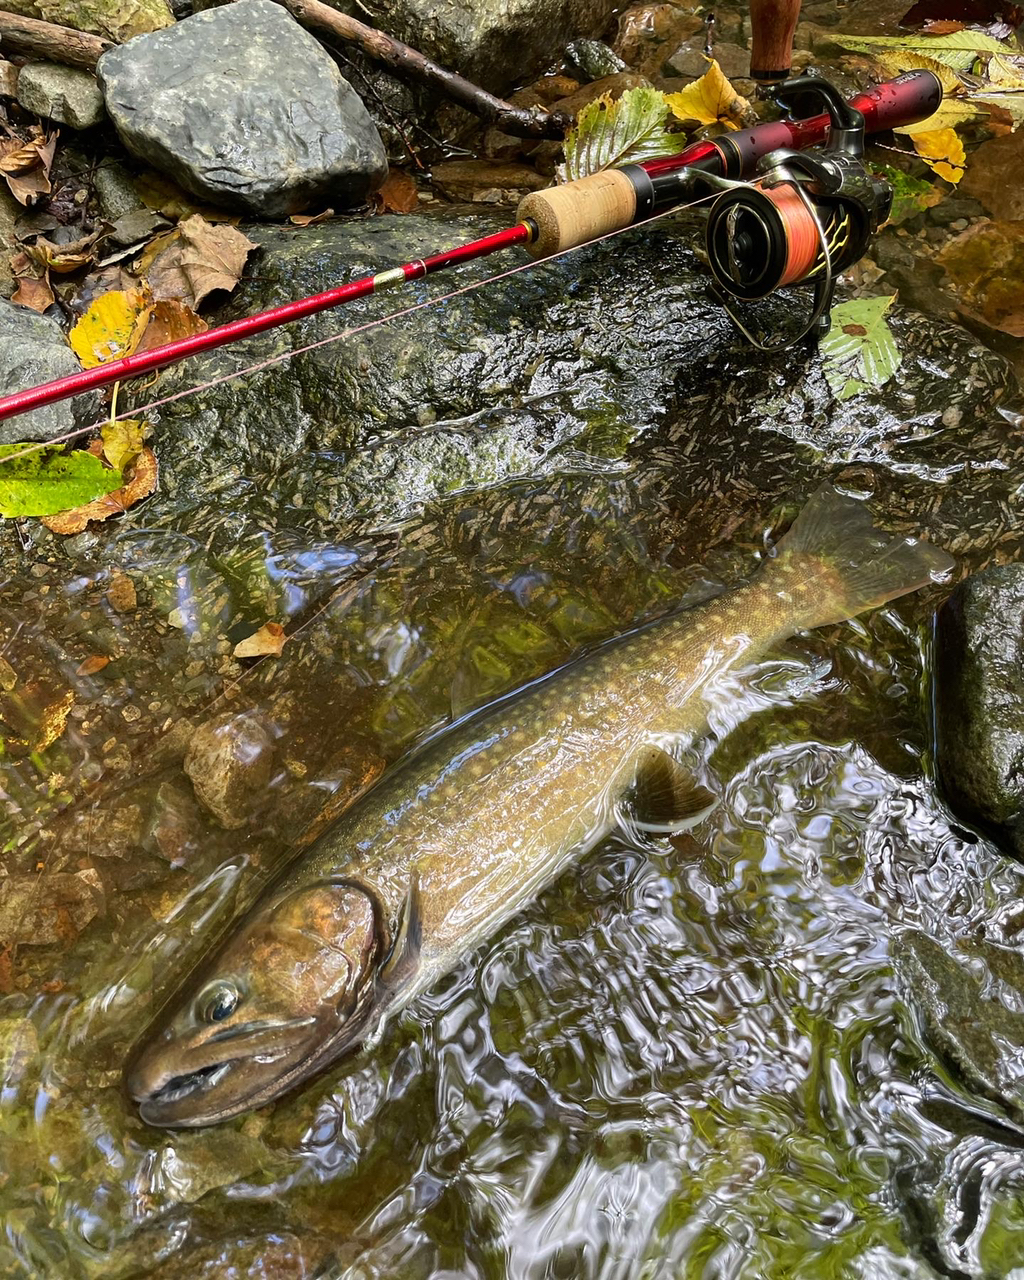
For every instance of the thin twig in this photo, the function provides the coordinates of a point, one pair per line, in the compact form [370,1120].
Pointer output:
[520,122]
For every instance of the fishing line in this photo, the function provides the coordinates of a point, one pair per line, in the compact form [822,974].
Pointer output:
[281,357]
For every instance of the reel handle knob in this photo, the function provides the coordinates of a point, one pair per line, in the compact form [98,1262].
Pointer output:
[846,124]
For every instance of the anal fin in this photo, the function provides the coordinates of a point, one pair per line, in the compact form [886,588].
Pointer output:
[665,797]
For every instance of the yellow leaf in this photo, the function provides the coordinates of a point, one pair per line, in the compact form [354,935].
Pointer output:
[112,327]
[896,61]
[122,441]
[1005,73]
[709,99]
[267,642]
[951,112]
[942,151]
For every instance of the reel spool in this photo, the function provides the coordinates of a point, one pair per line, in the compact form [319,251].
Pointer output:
[807,217]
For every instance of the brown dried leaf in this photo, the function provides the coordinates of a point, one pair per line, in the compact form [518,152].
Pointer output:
[204,259]
[399,194]
[95,662]
[33,293]
[170,320]
[29,185]
[311,219]
[141,485]
[986,265]
[267,642]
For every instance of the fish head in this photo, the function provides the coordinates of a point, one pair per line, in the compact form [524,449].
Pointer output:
[290,990]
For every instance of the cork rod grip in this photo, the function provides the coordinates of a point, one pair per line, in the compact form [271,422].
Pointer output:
[579,211]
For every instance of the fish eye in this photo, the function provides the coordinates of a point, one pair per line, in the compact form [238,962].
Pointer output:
[217,1001]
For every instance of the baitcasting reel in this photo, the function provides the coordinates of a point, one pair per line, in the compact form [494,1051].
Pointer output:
[806,217]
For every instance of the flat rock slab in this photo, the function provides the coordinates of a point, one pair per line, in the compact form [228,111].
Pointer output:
[979,685]
[65,94]
[245,109]
[33,350]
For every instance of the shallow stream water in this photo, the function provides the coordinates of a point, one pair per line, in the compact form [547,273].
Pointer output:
[691,1058]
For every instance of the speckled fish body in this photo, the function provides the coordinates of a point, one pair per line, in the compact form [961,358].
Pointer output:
[449,845]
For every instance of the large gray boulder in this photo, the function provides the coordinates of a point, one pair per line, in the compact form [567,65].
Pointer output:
[33,350]
[980,702]
[498,45]
[245,109]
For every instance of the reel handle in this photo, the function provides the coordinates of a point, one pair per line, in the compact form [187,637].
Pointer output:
[846,124]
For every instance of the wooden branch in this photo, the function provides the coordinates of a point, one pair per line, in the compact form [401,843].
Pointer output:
[520,122]
[54,44]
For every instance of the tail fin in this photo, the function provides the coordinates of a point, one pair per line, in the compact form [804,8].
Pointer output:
[835,564]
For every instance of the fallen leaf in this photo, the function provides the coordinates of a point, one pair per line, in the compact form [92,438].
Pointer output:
[28,179]
[949,113]
[710,100]
[611,132]
[203,259]
[112,327]
[399,194]
[95,662]
[940,27]
[986,179]
[311,219]
[267,642]
[161,194]
[122,441]
[910,195]
[895,61]
[141,484]
[34,293]
[942,151]
[859,350]
[169,320]
[985,264]
[43,481]
[959,49]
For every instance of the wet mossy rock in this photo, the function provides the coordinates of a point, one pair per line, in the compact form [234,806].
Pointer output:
[497,45]
[980,702]
[33,350]
[570,364]
[245,109]
[117,20]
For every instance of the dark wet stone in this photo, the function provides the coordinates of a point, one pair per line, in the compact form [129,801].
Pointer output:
[592,60]
[979,683]
[33,350]
[243,107]
[497,46]
[964,1020]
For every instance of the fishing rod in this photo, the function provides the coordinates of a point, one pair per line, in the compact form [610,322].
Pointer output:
[791,201]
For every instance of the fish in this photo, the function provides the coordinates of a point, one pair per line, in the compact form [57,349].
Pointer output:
[457,837]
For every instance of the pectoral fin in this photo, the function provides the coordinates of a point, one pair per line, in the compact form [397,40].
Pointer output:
[401,961]
[665,797]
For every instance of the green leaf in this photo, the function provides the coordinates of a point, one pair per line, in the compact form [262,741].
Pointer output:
[46,481]
[959,49]
[623,131]
[860,352]
[910,195]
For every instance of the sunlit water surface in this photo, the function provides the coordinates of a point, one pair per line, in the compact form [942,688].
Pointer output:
[688,1058]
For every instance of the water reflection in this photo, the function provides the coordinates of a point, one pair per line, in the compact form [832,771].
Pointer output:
[688,1057]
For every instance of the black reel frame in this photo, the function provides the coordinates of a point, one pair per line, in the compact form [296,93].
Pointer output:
[752,231]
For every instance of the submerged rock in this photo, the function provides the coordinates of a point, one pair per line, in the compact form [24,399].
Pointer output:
[33,350]
[979,684]
[242,107]
[65,94]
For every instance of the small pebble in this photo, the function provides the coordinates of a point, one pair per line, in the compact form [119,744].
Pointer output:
[121,593]
[961,224]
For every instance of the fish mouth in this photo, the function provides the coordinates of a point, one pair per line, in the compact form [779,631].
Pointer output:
[179,1087]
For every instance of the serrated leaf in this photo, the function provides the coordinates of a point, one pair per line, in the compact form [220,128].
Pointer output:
[112,327]
[942,151]
[859,350]
[711,100]
[958,49]
[623,131]
[45,481]
[896,61]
